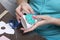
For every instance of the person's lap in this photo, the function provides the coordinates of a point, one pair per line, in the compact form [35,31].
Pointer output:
[54,37]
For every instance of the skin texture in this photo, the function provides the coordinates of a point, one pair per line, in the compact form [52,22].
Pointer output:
[22,6]
[26,7]
[46,20]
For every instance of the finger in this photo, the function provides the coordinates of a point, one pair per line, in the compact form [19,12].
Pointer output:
[40,16]
[26,10]
[18,18]
[36,16]
[22,29]
[19,13]
[31,10]
[18,10]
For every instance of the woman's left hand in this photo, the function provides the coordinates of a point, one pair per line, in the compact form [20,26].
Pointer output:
[45,20]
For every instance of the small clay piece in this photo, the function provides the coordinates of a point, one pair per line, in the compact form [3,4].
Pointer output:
[3,28]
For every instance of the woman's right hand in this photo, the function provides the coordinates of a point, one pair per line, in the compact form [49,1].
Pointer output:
[23,6]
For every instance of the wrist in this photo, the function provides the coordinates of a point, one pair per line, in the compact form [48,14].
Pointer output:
[23,2]
[20,1]
[54,20]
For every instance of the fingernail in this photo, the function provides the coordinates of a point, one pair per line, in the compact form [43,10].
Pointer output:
[34,17]
[18,21]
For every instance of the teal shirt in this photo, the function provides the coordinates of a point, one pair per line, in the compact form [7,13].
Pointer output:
[47,7]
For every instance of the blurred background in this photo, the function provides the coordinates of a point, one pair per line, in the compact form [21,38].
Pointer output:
[10,6]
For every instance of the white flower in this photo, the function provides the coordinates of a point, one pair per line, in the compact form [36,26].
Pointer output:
[6,28]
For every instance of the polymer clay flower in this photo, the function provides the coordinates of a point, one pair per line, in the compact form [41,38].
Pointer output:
[5,28]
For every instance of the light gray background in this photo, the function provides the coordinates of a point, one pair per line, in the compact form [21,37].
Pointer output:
[10,5]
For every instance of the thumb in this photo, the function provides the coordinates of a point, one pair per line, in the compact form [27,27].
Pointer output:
[40,17]
[36,16]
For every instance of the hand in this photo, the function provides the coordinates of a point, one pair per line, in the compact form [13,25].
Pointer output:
[45,20]
[23,6]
